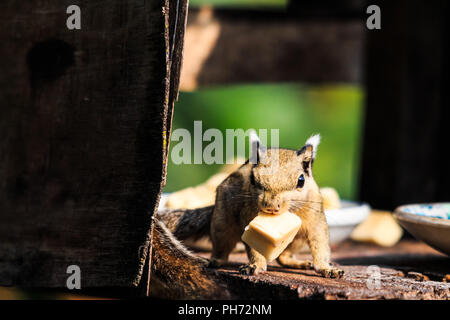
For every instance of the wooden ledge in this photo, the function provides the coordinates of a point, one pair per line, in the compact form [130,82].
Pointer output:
[410,270]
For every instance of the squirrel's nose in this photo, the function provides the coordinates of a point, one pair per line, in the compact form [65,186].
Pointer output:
[271,203]
[271,208]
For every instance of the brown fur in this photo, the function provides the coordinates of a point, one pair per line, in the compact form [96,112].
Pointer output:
[187,223]
[272,189]
[177,273]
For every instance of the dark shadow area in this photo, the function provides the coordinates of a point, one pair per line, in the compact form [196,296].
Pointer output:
[49,59]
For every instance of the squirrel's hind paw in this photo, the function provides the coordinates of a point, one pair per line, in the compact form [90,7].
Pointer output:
[216,263]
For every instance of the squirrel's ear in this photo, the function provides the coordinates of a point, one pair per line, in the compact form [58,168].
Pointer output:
[258,150]
[309,151]
[313,141]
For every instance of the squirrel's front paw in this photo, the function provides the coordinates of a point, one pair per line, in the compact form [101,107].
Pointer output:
[250,269]
[331,272]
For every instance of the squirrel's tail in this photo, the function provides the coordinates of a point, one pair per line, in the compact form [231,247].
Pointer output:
[179,274]
[188,223]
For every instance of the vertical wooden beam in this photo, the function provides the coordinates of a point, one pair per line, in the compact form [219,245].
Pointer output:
[84,121]
[406,129]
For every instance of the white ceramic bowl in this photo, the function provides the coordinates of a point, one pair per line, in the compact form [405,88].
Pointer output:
[427,222]
[341,222]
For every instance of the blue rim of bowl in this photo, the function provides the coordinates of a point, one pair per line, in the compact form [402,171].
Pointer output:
[417,218]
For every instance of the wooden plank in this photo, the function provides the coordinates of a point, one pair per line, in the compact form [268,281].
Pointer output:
[178,21]
[239,46]
[410,270]
[84,119]
[406,117]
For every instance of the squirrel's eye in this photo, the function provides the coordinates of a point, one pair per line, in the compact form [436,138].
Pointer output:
[301,181]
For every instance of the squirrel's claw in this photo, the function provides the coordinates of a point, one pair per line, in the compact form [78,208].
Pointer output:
[203,261]
[250,269]
[331,272]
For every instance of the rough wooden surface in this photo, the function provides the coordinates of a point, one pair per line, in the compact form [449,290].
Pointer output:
[404,273]
[84,125]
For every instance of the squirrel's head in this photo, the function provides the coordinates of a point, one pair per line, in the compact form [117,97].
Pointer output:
[283,178]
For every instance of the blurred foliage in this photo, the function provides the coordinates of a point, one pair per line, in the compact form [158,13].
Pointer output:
[296,110]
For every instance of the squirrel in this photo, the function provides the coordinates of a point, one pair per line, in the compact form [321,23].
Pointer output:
[273,181]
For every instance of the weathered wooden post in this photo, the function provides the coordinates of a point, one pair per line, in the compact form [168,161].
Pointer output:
[406,124]
[84,124]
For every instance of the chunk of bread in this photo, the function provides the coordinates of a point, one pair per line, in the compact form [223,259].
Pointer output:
[204,194]
[330,198]
[379,228]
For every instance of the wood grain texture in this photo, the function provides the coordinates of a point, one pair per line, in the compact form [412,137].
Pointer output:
[408,271]
[83,121]
[178,14]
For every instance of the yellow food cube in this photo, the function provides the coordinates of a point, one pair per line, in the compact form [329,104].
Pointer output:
[270,234]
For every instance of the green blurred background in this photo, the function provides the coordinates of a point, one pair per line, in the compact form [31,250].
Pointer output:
[297,110]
